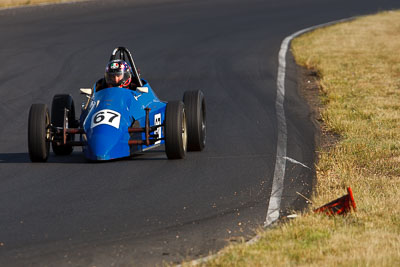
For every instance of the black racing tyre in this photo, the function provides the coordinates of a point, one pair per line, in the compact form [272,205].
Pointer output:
[60,102]
[39,133]
[195,107]
[175,130]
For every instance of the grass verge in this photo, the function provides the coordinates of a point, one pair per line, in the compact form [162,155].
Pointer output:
[358,65]
[15,3]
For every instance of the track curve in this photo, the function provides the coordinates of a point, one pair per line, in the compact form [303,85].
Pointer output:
[148,209]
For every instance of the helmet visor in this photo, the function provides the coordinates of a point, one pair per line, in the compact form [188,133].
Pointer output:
[115,78]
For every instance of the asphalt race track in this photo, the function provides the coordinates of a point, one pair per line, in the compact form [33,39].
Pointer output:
[146,210]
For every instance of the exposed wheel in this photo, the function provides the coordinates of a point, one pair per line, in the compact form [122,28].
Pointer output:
[39,133]
[61,102]
[195,107]
[175,130]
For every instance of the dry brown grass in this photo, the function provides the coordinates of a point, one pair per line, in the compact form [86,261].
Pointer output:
[13,3]
[358,63]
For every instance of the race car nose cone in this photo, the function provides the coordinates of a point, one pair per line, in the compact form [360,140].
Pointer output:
[100,146]
[106,142]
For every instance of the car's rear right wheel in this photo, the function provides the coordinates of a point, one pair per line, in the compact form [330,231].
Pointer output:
[59,104]
[175,130]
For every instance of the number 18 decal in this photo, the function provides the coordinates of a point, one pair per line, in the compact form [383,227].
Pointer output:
[157,121]
[106,116]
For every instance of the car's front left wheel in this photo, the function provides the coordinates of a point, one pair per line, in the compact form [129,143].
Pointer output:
[175,130]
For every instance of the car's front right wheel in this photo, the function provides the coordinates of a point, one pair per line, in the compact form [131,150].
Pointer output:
[39,133]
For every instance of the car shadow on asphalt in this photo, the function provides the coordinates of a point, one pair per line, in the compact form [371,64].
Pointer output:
[150,155]
[14,158]
[24,158]
[77,157]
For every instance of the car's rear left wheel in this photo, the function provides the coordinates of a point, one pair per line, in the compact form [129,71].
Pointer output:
[195,106]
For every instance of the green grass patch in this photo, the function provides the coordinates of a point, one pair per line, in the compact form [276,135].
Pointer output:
[358,64]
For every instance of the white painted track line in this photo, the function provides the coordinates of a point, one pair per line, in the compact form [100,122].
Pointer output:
[274,205]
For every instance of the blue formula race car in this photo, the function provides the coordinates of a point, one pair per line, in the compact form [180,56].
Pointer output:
[116,122]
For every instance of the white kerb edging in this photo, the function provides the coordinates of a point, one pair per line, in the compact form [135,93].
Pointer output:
[274,205]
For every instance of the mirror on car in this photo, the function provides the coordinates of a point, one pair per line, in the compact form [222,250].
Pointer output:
[86,91]
[142,89]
